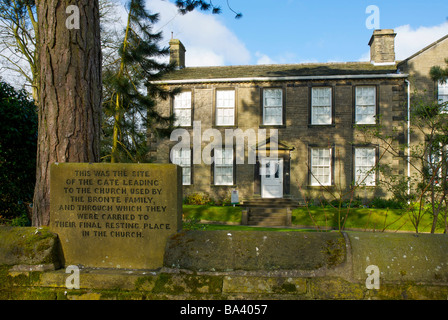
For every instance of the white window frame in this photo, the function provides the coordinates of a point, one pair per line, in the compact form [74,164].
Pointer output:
[365,105]
[182,109]
[442,95]
[273,107]
[321,106]
[182,157]
[223,167]
[434,159]
[225,107]
[321,161]
[365,163]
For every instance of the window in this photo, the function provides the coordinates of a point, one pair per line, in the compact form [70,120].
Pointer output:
[182,157]
[320,167]
[223,167]
[273,107]
[436,163]
[365,111]
[443,95]
[182,109]
[321,106]
[225,107]
[365,160]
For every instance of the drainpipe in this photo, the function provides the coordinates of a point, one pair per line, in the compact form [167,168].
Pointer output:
[409,135]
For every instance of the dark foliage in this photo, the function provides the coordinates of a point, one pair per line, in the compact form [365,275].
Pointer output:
[18,145]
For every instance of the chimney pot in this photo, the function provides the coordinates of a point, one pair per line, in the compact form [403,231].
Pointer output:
[177,53]
[382,47]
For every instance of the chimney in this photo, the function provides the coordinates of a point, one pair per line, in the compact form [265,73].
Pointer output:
[382,47]
[177,53]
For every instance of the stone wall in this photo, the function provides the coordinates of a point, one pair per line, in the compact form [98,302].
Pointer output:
[217,265]
[421,85]
[419,65]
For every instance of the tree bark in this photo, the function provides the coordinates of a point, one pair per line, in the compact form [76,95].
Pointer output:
[70,93]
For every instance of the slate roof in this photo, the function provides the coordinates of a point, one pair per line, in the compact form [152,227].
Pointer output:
[285,70]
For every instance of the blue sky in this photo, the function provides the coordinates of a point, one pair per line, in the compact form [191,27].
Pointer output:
[323,30]
[298,31]
[290,31]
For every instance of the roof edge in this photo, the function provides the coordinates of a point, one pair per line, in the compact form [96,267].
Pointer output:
[287,78]
[422,50]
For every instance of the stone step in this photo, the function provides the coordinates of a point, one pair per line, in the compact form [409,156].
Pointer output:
[267,219]
[267,223]
[261,218]
[267,211]
[270,203]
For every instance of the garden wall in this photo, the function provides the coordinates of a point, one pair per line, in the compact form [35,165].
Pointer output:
[239,265]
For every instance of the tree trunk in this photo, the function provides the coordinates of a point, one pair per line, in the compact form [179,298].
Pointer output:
[70,93]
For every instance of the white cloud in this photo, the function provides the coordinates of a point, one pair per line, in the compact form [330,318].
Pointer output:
[263,58]
[207,40]
[283,58]
[365,57]
[410,41]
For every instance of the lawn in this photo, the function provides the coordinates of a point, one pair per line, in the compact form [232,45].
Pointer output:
[229,218]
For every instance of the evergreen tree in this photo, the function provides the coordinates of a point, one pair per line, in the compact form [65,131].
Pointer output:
[438,73]
[129,104]
[186,6]
[18,145]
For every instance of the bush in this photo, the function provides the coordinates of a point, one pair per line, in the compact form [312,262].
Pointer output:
[198,199]
[18,146]
[386,204]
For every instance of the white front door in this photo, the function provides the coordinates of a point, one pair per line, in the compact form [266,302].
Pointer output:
[271,172]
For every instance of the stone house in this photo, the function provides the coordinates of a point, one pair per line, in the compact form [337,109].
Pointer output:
[420,85]
[419,64]
[314,114]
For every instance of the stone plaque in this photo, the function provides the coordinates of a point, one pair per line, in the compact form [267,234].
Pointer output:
[115,215]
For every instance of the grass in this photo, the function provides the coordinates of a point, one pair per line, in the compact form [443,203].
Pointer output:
[213,213]
[357,218]
[306,219]
[251,228]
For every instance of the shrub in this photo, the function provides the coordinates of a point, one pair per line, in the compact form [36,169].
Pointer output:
[199,199]
[18,145]
[386,203]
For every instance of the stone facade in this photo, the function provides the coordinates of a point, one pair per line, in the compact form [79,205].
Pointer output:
[177,53]
[382,46]
[297,134]
[419,65]
[418,68]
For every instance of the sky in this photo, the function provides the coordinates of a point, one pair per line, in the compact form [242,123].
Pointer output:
[299,31]
[292,31]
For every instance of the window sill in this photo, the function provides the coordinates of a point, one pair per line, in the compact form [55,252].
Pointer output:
[280,126]
[224,127]
[365,124]
[223,186]
[320,186]
[322,125]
